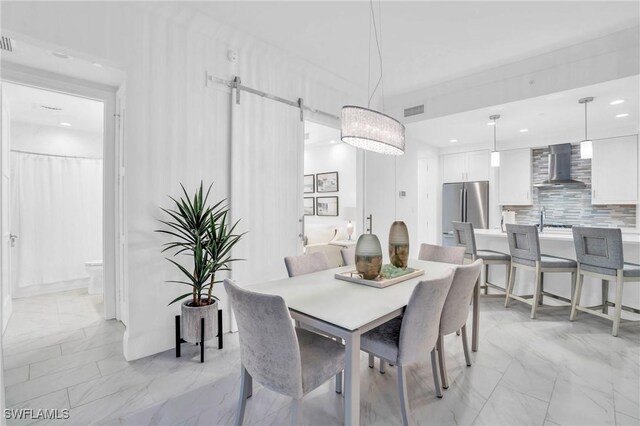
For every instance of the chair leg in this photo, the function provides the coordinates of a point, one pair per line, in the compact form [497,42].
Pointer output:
[371,361]
[507,275]
[605,296]
[617,309]
[465,345]
[404,397]
[339,382]
[576,297]
[512,278]
[436,374]
[295,410]
[442,362]
[541,288]
[486,278]
[382,366]
[245,392]
[536,291]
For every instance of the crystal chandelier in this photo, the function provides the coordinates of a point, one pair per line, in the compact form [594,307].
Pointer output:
[369,129]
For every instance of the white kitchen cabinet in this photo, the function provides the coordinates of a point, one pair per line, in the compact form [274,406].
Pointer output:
[515,178]
[614,171]
[465,166]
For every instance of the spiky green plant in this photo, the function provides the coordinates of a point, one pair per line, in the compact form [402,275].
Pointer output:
[202,233]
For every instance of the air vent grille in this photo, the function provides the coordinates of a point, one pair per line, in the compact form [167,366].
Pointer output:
[51,108]
[6,44]
[306,136]
[419,109]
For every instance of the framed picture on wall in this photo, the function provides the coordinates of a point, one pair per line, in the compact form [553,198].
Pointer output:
[327,182]
[309,206]
[309,184]
[327,206]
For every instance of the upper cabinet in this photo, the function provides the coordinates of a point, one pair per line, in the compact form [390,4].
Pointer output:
[515,178]
[465,167]
[614,171]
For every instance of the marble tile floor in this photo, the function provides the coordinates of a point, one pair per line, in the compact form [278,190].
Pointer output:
[546,371]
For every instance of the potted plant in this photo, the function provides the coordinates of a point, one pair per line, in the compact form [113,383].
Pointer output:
[202,234]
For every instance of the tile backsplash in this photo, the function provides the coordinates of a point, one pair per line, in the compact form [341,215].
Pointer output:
[570,205]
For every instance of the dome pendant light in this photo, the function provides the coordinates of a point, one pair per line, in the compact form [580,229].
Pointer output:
[369,129]
[495,154]
[586,146]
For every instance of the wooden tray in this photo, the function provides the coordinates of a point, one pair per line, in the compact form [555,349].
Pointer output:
[379,282]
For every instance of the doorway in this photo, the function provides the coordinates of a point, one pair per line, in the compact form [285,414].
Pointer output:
[55,216]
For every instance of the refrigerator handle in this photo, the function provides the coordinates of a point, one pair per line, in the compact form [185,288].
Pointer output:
[466,202]
[462,205]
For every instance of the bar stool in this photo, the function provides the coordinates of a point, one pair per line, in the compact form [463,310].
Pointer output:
[465,237]
[524,246]
[600,254]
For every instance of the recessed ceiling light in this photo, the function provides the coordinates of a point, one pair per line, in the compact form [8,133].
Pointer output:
[97,65]
[617,102]
[333,141]
[65,124]
[524,130]
[491,123]
[453,140]
[622,115]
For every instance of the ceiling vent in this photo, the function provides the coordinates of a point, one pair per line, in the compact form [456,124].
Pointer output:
[306,136]
[51,108]
[6,44]
[416,110]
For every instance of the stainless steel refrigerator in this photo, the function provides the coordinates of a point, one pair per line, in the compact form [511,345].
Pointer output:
[464,202]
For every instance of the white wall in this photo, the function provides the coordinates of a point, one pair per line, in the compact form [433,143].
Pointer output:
[332,157]
[42,139]
[177,128]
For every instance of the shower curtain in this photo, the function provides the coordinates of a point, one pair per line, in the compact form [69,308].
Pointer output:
[57,215]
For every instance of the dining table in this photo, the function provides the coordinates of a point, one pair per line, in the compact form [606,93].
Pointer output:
[347,310]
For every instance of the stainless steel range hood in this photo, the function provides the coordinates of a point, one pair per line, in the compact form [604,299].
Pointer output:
[560,168]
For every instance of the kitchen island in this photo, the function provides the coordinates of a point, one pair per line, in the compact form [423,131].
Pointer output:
[559,242]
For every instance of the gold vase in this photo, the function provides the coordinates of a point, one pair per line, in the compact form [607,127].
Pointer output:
[368,256]
[399,244]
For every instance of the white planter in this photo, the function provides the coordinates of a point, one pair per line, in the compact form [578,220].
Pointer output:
[190,321]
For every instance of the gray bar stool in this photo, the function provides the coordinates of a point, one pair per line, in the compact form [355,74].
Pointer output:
[600,254]
[465,237]
[524,246]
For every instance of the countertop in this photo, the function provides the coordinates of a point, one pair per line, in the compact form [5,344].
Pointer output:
[631,236]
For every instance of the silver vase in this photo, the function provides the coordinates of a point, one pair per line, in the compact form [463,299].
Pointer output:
[399,244]
[368,256]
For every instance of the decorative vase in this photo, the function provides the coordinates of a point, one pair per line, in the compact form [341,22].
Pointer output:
[399,244]
[368,256]
[190,321]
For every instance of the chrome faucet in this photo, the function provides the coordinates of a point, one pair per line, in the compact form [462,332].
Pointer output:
[543,215]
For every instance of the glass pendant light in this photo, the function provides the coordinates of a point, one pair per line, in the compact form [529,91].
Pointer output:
[586,146]
[369,129]
[495,154]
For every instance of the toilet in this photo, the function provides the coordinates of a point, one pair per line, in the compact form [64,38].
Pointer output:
[94,269]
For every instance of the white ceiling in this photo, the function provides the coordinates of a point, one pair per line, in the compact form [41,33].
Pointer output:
[423,42]
[550,119]
[26,106]
[317,134]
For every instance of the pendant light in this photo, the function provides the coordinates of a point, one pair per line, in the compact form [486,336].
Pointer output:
[495,154]
[586,146]
[369,129]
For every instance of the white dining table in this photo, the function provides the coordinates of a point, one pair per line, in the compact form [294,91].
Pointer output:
[347,310]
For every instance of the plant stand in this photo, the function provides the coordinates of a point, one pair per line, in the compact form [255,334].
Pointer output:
[180,340]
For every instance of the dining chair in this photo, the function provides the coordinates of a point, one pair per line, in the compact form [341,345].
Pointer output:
[443,254]
[348,256]
[524,245]
[403,340]
[600,254]
[464,236]
[288,360]
[456,310]
[306,263]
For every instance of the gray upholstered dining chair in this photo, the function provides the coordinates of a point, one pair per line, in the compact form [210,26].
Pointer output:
[403,340]
[456,310]
[306,263]
[524,246]
[348,256]
[443,254]
[465,237]
[599,252]
[290,361]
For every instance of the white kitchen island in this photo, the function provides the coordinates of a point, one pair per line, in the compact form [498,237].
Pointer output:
[559,242]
